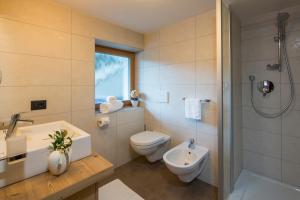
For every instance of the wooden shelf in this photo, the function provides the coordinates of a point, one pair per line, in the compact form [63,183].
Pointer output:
[80,175]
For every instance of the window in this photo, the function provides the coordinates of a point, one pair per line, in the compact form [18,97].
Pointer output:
[114,74]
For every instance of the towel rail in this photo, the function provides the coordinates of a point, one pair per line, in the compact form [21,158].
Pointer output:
[202,100]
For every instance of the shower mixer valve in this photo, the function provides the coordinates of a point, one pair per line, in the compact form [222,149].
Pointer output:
[265,86]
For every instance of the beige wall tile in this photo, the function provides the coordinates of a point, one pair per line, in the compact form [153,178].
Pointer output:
[130,115]
[83,48]
[128,38]
[290,149]
[104,142]
[178,74]
[151,40]
[178,134]
[255,49]
[260,164]
[254,121]
[267,144]
[26,70]
[17,99]
[291,173]
[209,122]
[210,172]
[151,75]
[290,123]
[152,111]
[56,17]
[91,27]
[51,118]
[206,47]
[29,39]
[85,119]
[206,71]
[98,29]
[83,97]
[151,57]
[124,151]
[206,23]
[139,70]
[181,31]
[178,53]
[83,73]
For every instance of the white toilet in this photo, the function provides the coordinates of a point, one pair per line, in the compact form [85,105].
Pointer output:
[187,163]
[151,144]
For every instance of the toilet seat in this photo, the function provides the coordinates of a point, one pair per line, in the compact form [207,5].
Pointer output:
[148,139]
[150,144]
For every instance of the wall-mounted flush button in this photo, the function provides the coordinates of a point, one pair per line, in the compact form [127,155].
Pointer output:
[39,105]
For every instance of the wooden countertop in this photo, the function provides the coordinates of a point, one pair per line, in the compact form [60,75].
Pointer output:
[81,174]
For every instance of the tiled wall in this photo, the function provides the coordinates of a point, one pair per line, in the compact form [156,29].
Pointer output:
[271,146]
[47,52]
[181,59]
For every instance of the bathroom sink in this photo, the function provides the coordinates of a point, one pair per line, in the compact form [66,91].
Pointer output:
[38,142]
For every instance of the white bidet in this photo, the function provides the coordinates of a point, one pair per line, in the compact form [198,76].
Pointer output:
[186,161]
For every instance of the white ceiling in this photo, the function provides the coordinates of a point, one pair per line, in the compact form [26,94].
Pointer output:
[141,15]
[245,9]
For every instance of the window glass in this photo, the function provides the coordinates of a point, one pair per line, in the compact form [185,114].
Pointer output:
[112,77]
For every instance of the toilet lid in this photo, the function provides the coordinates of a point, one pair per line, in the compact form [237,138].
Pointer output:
[148,138]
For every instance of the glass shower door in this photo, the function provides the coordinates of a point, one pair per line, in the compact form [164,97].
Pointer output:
[225,101]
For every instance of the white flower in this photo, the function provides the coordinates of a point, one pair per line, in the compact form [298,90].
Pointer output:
[134,94]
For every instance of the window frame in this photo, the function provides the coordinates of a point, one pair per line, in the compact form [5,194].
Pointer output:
[123,53]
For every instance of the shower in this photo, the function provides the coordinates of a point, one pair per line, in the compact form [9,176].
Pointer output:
[267,86]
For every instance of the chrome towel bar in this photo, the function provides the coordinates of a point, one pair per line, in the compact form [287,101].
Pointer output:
[202,100]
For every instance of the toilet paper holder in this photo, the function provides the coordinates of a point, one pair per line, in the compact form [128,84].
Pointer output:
[103,122]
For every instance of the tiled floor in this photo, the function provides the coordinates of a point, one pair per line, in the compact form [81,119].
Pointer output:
[156,182]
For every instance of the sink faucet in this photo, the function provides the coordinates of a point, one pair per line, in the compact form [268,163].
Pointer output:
[191,143]
[15,118]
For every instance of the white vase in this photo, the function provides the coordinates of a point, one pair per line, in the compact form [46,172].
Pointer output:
[134,103]
[58,162]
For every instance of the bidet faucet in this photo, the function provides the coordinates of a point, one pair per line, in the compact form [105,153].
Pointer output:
[15,118]
[191,143]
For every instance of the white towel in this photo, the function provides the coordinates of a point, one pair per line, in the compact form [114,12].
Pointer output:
[111,98]
[193,108]
[111,106]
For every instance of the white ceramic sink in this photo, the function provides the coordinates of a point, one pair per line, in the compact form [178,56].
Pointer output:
[38,142]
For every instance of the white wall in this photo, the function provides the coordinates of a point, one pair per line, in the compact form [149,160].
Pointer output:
[47,52]
[271,146]
[181,59]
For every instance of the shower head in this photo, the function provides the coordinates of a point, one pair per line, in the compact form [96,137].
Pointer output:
[282,17]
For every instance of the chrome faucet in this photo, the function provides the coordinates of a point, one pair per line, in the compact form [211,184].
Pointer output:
[15,118]
[191,143]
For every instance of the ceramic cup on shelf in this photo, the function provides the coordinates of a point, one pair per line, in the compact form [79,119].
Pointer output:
[58,162]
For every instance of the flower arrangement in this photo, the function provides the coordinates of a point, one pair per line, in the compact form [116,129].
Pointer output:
[60,141]
[134,95]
